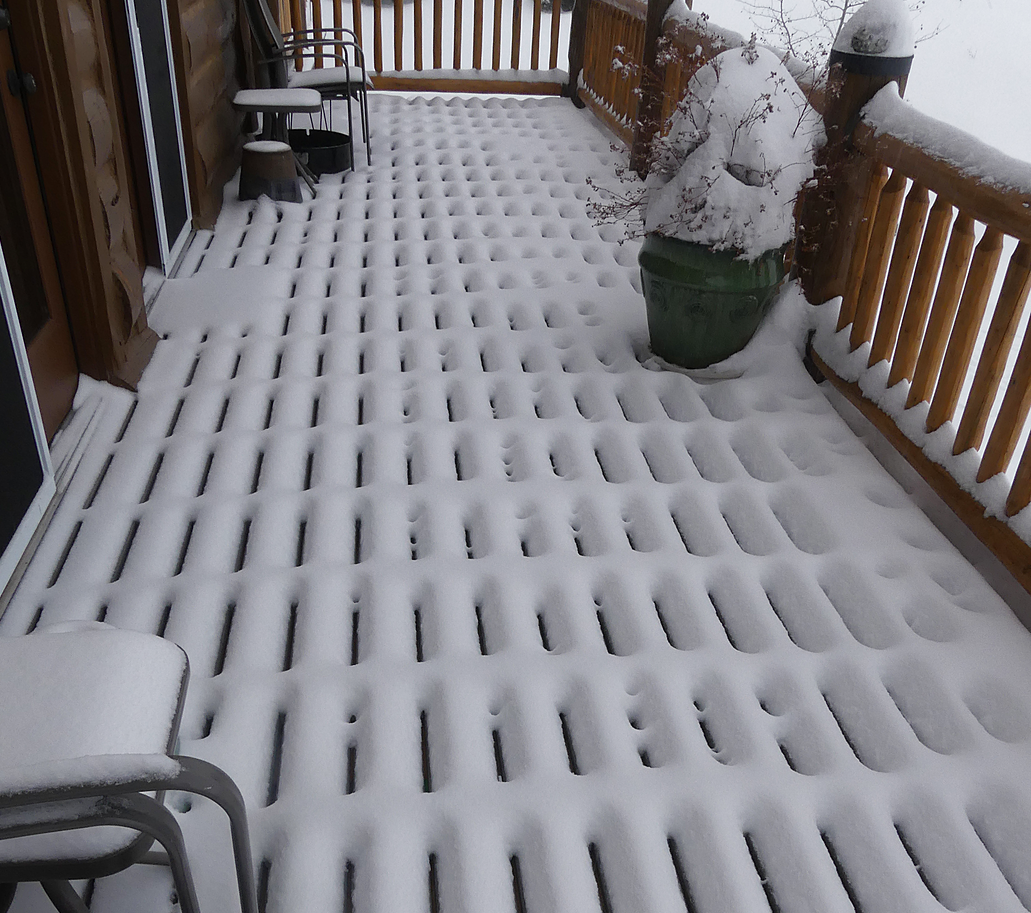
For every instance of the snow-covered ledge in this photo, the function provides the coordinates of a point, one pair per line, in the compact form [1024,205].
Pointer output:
[888,114]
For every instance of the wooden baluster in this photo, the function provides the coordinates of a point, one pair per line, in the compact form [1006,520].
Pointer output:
[605,59]
[997,347]
[377,35]
[590,26]
[356,19]
[622,79]
[457,57]
[636,79]
[477,34]
[595,28]
[618,82]
[495,60]
[856,267]
[417,32]
[921,290]
[1020,491]
[438,26]
[965,331]
[900,273]
[535,37]
[556,9]
[611,78]
[399,25]
[875,267]
[943,311]
[517,25]
[296,22]
[671,90]
[316,24]
[1009,423]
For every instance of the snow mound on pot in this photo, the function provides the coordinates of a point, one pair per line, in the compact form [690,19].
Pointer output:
[882,28]
[738,152]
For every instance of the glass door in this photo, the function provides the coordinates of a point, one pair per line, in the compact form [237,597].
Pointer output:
[26,477]
[162,133]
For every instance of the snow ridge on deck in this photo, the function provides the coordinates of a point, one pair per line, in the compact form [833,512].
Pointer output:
[484,615]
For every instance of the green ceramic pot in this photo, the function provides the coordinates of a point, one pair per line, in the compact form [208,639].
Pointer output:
[704,305]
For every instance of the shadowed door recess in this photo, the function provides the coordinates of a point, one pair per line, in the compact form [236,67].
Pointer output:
[28,245]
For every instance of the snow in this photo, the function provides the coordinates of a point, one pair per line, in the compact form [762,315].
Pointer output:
[888,113]
[881,28]
[267,147]
[737,153]
[259,100]
[397,459]
[67,665]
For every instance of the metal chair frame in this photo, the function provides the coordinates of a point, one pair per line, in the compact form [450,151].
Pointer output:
[132,801]
[279,51]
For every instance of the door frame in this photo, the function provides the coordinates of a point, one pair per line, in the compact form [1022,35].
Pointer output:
[169,249]
[12,555]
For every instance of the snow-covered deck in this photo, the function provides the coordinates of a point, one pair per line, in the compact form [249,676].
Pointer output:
[484,614]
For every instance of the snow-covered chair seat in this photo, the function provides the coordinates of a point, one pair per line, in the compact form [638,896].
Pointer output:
[89,716]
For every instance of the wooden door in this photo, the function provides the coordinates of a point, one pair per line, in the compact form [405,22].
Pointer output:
[27,242]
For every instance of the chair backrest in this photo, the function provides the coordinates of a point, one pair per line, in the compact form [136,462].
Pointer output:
[269,40]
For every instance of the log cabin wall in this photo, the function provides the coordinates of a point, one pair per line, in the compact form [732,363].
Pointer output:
[82,116]
[208,46]
[80,141]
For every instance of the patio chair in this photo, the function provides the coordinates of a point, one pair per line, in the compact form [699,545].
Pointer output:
[346,78]
[89,717]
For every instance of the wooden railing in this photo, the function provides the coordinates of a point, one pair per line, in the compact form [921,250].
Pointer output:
[922,291]
[612,55]
[448,45]
[935,297]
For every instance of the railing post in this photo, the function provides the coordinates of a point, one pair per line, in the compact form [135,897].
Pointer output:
[653,80]
[831,212]
[577,47]
[653,77]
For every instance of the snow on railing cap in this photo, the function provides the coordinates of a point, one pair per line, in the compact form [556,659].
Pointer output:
[882,28]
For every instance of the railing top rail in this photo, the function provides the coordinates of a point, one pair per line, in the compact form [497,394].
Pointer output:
[684,24]
[982,181]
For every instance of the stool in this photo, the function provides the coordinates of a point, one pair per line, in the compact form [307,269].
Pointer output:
[269,166]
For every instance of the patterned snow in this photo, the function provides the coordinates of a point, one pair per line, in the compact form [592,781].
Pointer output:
[485,614]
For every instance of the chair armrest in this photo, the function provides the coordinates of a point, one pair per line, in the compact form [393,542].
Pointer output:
[312,33]
[291,46]
[101,775]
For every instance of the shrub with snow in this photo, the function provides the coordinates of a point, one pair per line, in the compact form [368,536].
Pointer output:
[739,149]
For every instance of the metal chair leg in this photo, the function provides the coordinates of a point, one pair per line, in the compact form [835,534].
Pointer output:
[62,895]
[132,810]
[204,779]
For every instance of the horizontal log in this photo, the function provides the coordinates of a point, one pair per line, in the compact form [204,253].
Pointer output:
[623,131]
[1007,210]
[1008,547]
[460,82]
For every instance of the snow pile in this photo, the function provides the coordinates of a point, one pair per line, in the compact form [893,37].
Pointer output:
[886,112]
[737,153]
[882,28]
